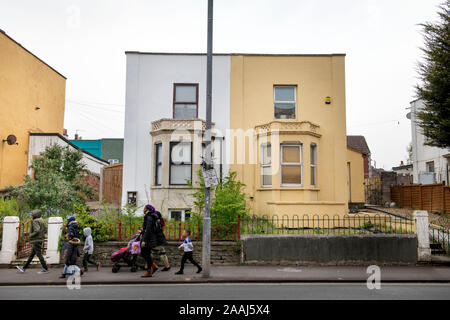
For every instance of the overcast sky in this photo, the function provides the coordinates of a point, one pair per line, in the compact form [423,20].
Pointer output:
[85,40]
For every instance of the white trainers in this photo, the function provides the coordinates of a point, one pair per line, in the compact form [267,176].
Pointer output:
[43,271]
[20,269]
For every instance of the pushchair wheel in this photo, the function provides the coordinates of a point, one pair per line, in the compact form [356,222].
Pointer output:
[116,268]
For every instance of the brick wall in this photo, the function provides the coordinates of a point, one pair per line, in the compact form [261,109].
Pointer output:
[222,252]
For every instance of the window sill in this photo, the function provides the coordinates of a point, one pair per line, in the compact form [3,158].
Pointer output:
[283,188]
[171,187]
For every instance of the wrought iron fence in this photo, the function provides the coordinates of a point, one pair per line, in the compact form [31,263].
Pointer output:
[23,245]
[441,237]
[324,224]
[174,231]
[306,224]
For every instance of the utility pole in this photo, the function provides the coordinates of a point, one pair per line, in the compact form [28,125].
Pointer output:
[206,252]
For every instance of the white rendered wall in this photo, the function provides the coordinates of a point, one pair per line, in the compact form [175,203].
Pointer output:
[422,153]
[149,97]
[37,144]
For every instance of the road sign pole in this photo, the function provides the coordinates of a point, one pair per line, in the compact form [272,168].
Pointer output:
[206,253]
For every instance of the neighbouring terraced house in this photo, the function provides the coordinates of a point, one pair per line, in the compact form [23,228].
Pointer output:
[32,104]
[279,121]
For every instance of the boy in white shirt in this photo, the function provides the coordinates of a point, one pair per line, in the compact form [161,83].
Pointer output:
[188,252]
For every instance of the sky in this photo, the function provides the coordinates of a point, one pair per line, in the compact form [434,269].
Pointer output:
[86,41]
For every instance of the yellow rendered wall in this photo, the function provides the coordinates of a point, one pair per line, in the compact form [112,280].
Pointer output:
[356,161]
[25,83]
[316,77]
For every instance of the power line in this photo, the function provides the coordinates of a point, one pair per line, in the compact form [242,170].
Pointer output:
[96,122]
[92,102]
[97,107]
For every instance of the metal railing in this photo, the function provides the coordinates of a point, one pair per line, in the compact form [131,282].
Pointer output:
[306,224]
[174,231]
[324,224]
[440,235]
[23,244]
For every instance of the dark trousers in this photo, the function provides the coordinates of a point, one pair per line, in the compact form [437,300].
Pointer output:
[146,253]
[36,249]
[188,256]
[87,258]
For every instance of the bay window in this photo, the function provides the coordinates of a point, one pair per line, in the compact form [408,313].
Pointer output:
[158,164]
[313,164]
[266,165]
[180,163]
[291,164]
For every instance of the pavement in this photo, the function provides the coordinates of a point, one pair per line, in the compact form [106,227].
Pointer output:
[230,292]
[237,274]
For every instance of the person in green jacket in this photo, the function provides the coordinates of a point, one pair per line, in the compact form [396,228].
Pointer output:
[36,238]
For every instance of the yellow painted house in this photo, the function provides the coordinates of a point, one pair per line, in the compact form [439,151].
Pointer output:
[295,105]
[32,99]
[279,121]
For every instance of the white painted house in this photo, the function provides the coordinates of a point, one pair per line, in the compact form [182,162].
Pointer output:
[166,93]
[39,141]
[430,164]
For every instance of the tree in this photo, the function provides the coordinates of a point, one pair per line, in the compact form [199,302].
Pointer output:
[58,172]
[228,199]
[434,118]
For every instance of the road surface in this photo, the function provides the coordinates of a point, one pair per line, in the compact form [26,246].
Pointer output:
[292,291]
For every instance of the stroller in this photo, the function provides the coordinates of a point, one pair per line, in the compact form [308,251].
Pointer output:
[129,255]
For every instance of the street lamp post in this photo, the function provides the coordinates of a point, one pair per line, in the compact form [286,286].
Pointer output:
[206,253]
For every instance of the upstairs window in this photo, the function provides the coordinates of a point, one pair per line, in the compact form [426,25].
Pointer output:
[284,98]
[180,162]
[185,101]
[291,165]
[266,165]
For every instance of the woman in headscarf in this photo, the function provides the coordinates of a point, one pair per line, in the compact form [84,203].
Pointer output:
[149,238]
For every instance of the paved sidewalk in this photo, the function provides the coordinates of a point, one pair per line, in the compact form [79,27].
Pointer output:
[233,274]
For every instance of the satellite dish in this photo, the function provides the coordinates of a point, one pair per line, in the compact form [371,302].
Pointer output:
[408,115]
[11,139]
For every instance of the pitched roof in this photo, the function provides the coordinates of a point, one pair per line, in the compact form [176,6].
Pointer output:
[358,143]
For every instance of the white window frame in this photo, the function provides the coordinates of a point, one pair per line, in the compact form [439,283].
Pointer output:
[173,164]
[265,165]
[300,148]
[113,161]
[313,148]
[294,102]
[158,153]
[183,213]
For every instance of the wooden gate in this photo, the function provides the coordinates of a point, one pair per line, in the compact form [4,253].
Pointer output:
[112,184]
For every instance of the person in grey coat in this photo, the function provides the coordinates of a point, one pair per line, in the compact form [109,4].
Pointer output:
[88,250]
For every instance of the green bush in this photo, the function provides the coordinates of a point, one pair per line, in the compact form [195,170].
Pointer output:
[228,200]
[8,207]
[57,184]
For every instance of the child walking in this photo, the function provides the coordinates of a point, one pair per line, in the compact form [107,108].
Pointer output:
[88,250]
[188,252]
[71,253]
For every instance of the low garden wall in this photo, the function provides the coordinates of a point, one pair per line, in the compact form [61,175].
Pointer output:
[222,252]
[329,249]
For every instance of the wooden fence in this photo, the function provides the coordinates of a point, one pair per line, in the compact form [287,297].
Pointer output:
[430,197]
[112,184]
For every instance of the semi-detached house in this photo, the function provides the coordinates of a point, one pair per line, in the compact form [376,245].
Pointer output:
[279,121]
